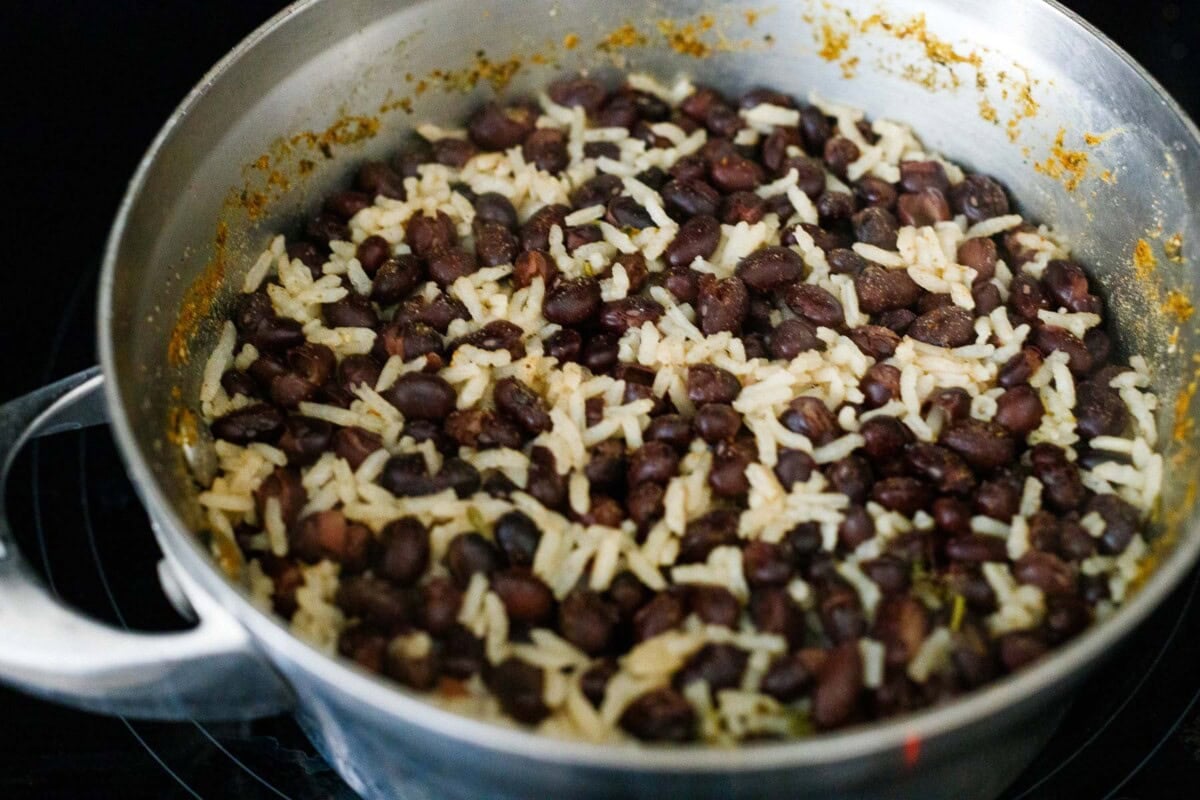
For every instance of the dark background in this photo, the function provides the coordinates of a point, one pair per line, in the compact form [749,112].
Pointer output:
[84,86]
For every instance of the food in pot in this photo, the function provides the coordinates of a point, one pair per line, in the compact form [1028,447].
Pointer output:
[654,414]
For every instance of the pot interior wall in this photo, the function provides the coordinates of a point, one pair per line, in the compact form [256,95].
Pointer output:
[1002,87]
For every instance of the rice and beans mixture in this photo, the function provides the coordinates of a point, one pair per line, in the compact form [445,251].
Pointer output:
[653,414]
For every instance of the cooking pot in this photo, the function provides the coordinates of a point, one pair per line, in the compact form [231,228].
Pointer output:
[1021,90]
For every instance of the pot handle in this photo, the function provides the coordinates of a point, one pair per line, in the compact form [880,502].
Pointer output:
[211,671]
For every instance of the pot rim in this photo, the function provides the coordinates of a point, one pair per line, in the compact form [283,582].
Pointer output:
[898,734]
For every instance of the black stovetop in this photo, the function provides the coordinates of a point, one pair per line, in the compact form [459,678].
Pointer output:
[88,86]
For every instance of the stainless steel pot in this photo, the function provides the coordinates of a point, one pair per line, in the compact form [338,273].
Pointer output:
[1022,90]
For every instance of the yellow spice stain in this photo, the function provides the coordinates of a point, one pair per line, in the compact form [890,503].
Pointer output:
[570,41]
[1068,166]
[1183,422]
[1107,176]
[988,111]
[483,69]
[849,67]
[1144,261]
[1178,305]
[937,50]
[198,300]
[1173,248]
[833,43]
[625,36]
[1093,139]
[751,17]
[263,162]
[685,39]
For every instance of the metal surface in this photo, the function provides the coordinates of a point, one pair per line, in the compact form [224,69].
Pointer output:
[209,672]
[1043,71]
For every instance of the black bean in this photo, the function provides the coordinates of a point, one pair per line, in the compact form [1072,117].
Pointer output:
[406,476]
[815,304]
[788,678]
[495,207]
[522,404]
[1020,410]
[352,311]
[940,466]
[284,485]
[564,345]
[889,573]
[770,268]
[852,477]
[355,444]
[546,148]
[1025,297]
[625,212]
[686,198]
[980,255]
[856,527]
[659,615]
[839,153]
[766,564]
[918,175]
[253,423]
[600,353]
[984,445]
[721,304]
[328,535]
[979,198]
[396,279]
[325,228]
[719,665]
[1052,339]
[518,686]
[710,384]
[594,681]
[834,207]
[793,337]
[346,204]
[670,428]
[277,334]
[1099,410]
[469,553]
[304,439]
[453,152]
[448,265]
[882,289]
[881,382]
[588,621]
[945,326]
[526,599]
[774,611]
[696,238]
[884,437]
[236,382]
[1047,572]
[713,529]
[660,715]
[728,475]
[792,467]
[290,390]
[427,235]
[744,207]
[404,551]
[876,226]
[494,244]
[1062,486]
[901,494]
[1019,368]
[494,127]
[811,417]
[999,498]
[717,421]
[571,302]
[618,316]
[309,255]
[976,548]
[735,173]
[458,475]
[535,233]
[587,93]
[421,396]
[596,192]
[653,461]
[987,298]
[378,178]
